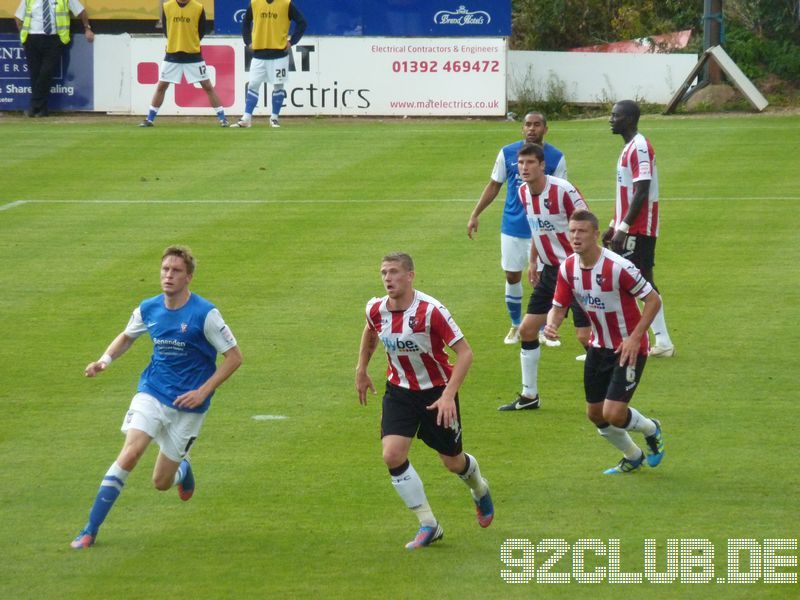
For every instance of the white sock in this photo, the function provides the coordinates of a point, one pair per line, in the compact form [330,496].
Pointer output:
[640,423]
[659,328]
[116,471]
[620,439]
[529,360]
[409,486]
[472,477]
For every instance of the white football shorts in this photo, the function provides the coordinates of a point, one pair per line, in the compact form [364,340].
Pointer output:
[173,430]
[274,70]
[514,253]
[173,72]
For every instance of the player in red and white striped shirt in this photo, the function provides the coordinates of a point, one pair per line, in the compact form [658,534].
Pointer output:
[421,396]
[635,226]
[548,203]
[608,287]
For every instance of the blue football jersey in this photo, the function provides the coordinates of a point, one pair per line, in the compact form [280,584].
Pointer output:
[183,359]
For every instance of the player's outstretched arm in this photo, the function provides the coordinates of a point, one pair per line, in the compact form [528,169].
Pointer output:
[116,349]
[487,197]
[369,341]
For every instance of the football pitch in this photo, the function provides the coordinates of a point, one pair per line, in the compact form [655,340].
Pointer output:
[292,498]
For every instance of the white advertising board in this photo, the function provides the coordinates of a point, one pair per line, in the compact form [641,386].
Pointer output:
[592,77]
[342,76]
[112,74]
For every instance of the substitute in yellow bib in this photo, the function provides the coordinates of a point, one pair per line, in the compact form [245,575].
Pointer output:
[44,32]
[265,30]
[184,25]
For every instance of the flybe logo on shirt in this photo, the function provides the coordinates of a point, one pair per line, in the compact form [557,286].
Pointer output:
[538,224]
[392,345]
[592,301]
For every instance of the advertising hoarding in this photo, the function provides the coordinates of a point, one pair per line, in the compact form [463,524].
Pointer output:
[73,83]
[344,76]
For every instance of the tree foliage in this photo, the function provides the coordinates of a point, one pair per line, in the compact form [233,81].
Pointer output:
[564,24]
[762,36]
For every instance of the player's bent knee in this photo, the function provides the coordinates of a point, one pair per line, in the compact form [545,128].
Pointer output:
[595,414]
[615,418]
[597,420]
[454,464]
[394,457]
[529,329]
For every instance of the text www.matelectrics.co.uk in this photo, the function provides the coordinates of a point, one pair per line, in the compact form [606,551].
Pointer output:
[430,104]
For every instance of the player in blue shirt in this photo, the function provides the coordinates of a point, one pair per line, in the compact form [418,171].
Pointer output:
[515,234]
[174,391]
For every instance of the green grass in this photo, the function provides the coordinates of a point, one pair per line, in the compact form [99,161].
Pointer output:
[289,227]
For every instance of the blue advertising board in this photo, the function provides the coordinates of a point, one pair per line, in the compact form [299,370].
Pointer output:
[386,18]
[73,83]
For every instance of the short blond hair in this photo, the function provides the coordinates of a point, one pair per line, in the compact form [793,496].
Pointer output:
[183,252]
[400,257]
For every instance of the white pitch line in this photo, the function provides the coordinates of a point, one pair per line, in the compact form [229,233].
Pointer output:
[315,201]
[666,199]
[11,205]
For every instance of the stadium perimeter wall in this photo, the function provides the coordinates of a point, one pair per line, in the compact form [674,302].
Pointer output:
[592,77]
[355,76]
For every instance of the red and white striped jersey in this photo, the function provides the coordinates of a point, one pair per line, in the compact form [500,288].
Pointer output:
[607,292]
[548,216]
[637,163]
[415,340]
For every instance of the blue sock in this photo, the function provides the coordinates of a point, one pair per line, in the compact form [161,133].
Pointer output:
[109,491]
[277,101]
[250,101]
[514,302]
[220,112]
[151,114]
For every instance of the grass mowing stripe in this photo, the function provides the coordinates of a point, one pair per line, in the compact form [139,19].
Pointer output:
[305,506]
